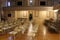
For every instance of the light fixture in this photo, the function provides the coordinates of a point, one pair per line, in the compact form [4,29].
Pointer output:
[8,4]
[30,1]
[56,10]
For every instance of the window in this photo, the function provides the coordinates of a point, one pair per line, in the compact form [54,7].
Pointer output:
[8,4]
[19,3]
[9,15]
[43,3]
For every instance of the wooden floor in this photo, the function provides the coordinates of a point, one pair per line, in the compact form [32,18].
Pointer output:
[42,34]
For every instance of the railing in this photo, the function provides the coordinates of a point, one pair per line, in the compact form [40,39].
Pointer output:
[29,8]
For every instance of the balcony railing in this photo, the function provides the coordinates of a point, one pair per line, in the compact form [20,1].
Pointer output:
[29,8]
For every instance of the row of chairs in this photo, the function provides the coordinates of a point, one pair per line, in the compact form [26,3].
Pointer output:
[21,29]
[16,27]
[52,26]
[6,27]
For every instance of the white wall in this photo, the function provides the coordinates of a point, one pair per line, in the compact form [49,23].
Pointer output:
[36,14]
[21,14]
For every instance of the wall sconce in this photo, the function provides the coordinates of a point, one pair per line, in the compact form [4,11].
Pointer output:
[56,10]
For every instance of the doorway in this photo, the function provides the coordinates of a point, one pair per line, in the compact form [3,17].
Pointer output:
[30,17]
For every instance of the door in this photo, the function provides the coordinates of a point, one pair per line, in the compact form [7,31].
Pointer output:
[30,17]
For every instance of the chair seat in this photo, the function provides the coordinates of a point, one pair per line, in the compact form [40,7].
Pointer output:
[1,30]
[4,28]
[13,32]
